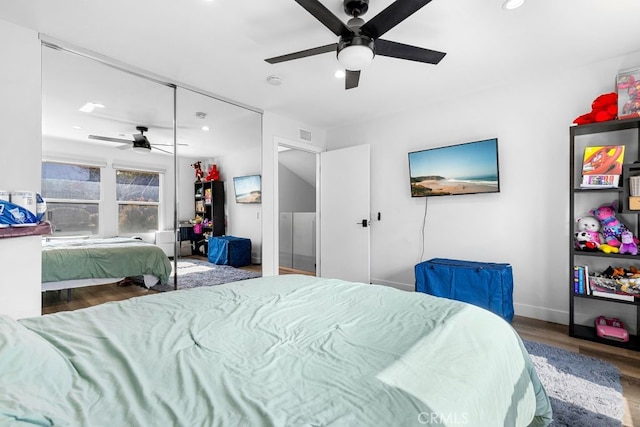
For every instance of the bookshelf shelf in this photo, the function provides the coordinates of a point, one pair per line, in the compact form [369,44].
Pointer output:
[589,333]
[581,201]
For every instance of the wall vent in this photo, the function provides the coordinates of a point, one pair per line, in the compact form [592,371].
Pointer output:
[304,135]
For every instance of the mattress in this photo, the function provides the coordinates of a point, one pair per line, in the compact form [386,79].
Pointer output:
[276,351]
[66,260]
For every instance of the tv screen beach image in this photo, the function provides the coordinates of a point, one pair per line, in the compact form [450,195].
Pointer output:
[247,189]
[457,169]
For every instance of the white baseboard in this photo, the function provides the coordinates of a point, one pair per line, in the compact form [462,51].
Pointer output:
[542,313]
[397,285]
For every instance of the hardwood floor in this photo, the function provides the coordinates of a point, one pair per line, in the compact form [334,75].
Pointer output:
[530,329]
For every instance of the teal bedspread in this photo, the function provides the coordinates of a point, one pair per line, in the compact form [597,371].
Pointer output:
[102,258]
[275,351]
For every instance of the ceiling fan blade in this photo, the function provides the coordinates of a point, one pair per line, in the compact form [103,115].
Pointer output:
[405,51]
[106,138]
[351,79]
[304,53]
[164,151]
[124,146]
[394,14]
[324,15]
[169,145]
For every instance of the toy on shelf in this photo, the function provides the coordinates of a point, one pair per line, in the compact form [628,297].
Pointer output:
[591,226]
[612,228]
[584,241]
[611,329]
[628,246]
[199,173]
[214,174]
[603,108]
[629,88]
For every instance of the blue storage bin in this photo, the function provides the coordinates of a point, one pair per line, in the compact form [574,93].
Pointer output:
[486,285]
[229,250]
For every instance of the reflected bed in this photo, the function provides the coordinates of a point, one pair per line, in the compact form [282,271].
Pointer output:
[72,263]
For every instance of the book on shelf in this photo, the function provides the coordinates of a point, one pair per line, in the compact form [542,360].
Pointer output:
[207,196]
[600,181]
[581,280]
[613,295]
[602,166]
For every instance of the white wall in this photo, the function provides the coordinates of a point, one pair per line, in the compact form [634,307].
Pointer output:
[296,195]
[20,151]
[526,224]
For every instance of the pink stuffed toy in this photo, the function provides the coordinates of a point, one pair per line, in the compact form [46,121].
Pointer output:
[591,226]
[611,227]
[628,246]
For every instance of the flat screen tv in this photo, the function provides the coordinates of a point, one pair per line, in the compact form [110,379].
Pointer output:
[247,189]
[468,168]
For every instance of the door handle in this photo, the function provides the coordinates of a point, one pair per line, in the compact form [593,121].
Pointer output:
[364,223]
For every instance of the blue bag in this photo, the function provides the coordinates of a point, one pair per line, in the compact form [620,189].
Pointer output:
[486,285]
[16,216]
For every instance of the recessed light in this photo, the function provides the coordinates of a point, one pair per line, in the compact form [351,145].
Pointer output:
[90,106]
[512,4]
[77,127]
[205,128]
[339,74]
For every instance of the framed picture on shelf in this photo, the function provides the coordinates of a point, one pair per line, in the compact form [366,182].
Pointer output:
[628,88]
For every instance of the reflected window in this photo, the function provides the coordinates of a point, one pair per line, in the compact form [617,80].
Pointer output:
[138,197]
[72,193]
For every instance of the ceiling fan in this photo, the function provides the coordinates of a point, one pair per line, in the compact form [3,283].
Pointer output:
[358,41]
[140,143]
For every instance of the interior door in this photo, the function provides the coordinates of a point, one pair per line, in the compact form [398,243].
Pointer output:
[344,214]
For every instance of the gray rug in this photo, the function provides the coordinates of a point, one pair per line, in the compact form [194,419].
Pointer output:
[584,391]
[193,273]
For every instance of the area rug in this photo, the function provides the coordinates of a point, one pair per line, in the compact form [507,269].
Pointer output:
[584,391]
[193,273]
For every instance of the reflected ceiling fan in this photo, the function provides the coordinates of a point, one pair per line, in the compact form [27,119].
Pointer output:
[139,143]
[358,41]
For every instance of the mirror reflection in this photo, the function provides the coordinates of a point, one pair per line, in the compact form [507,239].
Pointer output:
[118,179]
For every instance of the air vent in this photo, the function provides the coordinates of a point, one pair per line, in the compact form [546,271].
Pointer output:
[304,135]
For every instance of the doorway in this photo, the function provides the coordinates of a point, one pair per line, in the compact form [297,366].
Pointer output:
[297,207]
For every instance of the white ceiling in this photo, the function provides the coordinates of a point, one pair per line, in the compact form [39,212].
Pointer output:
[220,47]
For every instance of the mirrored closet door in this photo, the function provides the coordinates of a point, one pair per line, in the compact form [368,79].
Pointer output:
[108,167]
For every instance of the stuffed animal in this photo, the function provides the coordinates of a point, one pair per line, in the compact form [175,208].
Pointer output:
[583,241]
[611,227]
[603,108]
[590,225]
[199,174]
[214,174]
[628,246]
[608,249]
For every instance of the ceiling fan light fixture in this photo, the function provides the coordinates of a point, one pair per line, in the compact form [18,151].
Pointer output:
[355,53]
[512,4]
[142,150]
[355,57]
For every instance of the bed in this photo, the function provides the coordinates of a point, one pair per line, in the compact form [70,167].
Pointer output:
[275,351]
[72,263]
